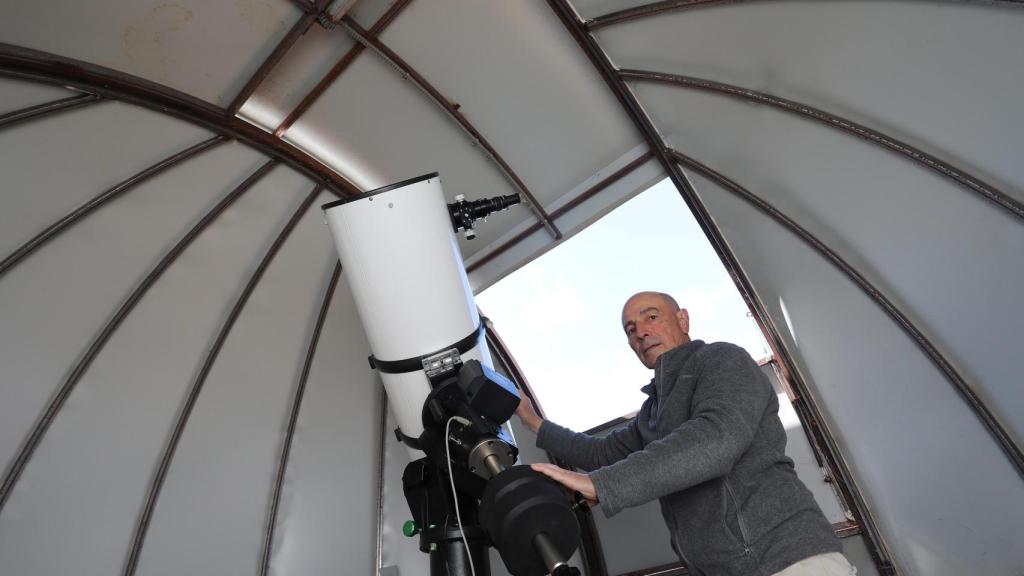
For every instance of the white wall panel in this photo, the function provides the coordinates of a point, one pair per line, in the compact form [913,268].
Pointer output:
[17,94]
[944,76]
[366,12]
[83,490]
[595,8]
[211,512]
[918,454]
[55,302]
[53,165]
[328,515]
[207,49]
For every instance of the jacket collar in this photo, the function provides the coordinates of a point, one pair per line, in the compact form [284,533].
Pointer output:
[672,363]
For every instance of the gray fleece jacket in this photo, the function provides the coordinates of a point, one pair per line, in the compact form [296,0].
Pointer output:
[708,443]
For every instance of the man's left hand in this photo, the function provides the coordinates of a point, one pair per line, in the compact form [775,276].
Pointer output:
[574,481]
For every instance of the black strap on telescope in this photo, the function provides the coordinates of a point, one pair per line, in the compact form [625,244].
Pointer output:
[415,364]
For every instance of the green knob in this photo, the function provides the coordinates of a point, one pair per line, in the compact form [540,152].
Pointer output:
[410,528]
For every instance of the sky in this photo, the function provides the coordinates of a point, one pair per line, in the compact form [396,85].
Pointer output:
[560,314]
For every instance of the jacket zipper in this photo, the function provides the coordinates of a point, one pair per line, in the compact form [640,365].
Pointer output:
[739,518]
[675,529]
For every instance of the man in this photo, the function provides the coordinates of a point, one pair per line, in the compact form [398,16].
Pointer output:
[708,443]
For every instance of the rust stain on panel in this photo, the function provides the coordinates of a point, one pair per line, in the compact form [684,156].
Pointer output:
[266,16]
[146,42]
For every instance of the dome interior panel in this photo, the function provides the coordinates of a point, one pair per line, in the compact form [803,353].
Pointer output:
[55,164]
[879,403]
[887,66]
[540,78]
[207,49]
[99,454]
[332,473]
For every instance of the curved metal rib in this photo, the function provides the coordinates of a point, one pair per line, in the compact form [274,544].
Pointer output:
[42,110]
[389,56]
[977,405]
[656,8]
[28,447]
[25,63]
[293,418]
[643,123]
[131,562]
[972,183]
[51,231]
[382,437]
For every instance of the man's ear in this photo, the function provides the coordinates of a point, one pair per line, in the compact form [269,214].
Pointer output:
[683,318]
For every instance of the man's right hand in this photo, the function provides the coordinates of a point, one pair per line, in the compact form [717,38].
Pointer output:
[527,415]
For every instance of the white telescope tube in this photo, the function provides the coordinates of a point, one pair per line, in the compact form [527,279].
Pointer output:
[400,257]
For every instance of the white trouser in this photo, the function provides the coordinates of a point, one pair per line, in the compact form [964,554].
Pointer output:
[831,564]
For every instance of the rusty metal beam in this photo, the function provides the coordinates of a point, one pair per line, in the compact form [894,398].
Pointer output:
[297,30]
[846,529]
[363,37]
[293,418]
[28,446]
[667,6]
[42,110]
[561,211]
[307,101]
[51,231]
[972,183]
[975,403]
[26,63]
[160,474]
[643,123]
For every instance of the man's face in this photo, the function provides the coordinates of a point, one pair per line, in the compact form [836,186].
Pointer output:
[654,325]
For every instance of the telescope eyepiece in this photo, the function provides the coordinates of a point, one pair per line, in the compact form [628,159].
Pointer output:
[465,212]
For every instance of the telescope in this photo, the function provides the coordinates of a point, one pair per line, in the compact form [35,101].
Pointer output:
[465,492]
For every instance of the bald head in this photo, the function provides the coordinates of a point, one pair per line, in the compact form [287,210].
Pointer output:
[654,324]
[668,302]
